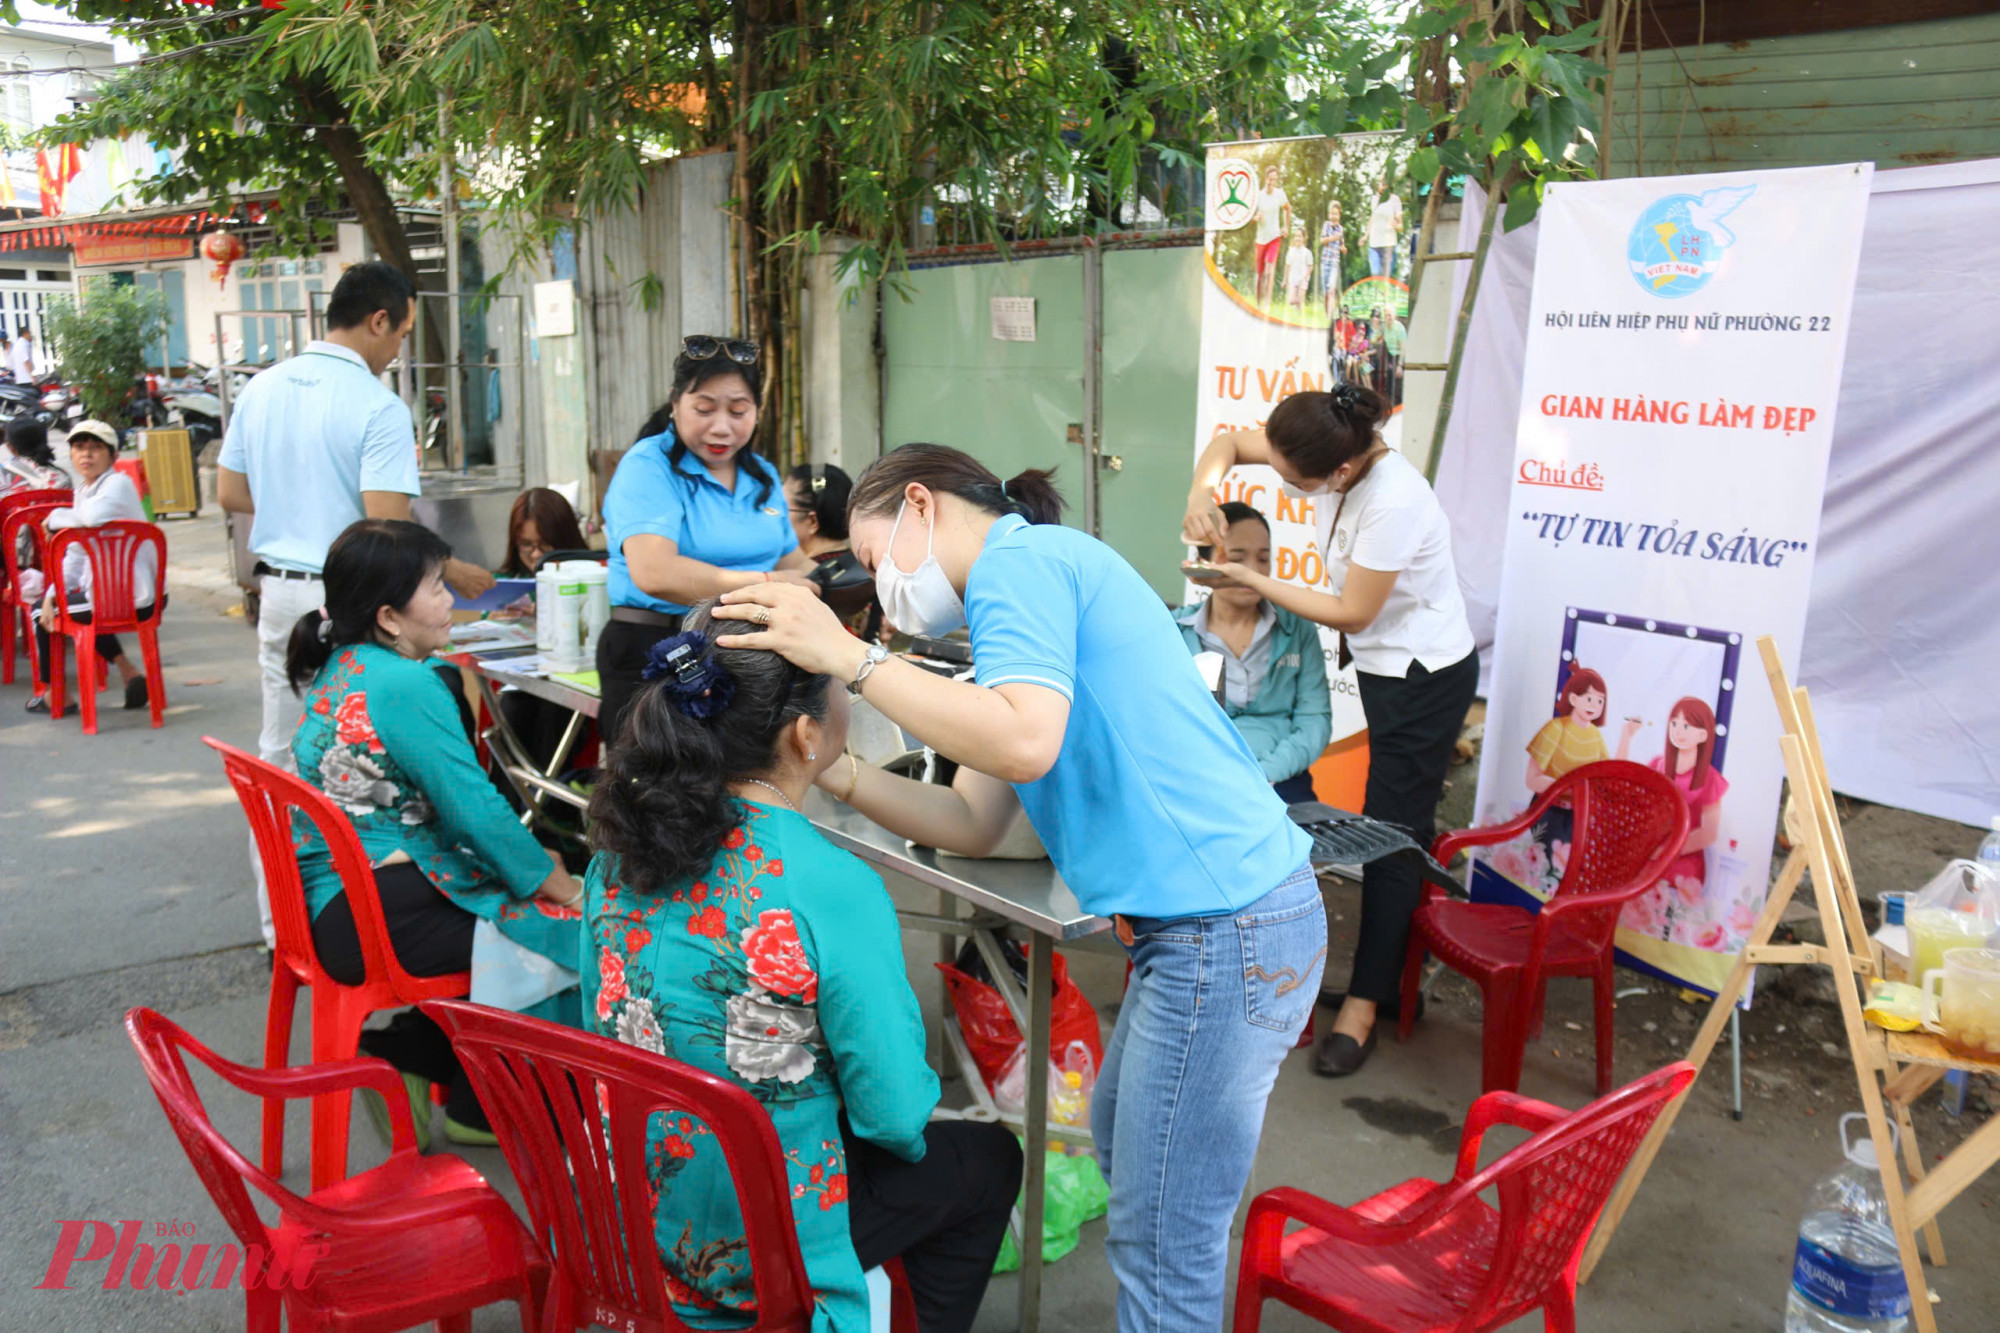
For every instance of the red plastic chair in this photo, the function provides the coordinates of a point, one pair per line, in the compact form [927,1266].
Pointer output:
[415,1239]
[113,549]
[542,1086]
[278,804]
[21,512]
[1432,1257]
[1630,823]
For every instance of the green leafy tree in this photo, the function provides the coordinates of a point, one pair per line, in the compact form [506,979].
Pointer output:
[1504,97]
[100,341]
[205,89]
[1010,119]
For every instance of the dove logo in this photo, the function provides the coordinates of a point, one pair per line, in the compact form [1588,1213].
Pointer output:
[1678,242]
[1232,193]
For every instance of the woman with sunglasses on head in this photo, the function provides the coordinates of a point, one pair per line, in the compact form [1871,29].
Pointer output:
[724,931]
[1392,592]
[1090,717]
[691,512]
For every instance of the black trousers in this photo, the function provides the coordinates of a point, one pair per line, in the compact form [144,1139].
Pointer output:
[944,1217]
[432,936]
[108,646]
[621,652]
[1413,723]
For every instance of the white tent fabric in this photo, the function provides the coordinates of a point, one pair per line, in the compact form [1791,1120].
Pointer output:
[1902,646]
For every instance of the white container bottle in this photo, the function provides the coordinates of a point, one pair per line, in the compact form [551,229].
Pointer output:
[596,605]
[1989,848]
[1847,1276]
[559,617]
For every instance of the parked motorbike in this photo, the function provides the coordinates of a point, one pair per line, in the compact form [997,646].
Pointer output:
[193,404]
[27,400]
[143,405]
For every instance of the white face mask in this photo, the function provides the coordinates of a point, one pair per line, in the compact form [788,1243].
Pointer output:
[919,601]
[1301,493]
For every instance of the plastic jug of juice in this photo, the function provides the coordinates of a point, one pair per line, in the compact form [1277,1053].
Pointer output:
[1965,1009]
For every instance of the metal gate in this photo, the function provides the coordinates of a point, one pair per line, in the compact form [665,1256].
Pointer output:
[1104,393]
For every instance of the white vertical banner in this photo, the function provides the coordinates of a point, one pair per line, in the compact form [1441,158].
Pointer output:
[1306,251]
[1685,343]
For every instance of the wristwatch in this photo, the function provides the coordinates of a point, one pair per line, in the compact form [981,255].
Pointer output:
[877,655]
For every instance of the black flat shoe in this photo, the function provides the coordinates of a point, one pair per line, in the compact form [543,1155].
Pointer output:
[1333,999]
[135,692]
[38,704]
[1339,1055]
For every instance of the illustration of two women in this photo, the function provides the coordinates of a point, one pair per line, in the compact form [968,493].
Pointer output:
[1574,737]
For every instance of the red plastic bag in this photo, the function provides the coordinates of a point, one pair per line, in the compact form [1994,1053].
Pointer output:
[990,1033]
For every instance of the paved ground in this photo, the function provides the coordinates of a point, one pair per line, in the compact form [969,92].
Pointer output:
[126,881]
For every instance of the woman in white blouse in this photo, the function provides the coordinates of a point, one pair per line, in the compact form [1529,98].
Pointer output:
[1391,589]
[102,495]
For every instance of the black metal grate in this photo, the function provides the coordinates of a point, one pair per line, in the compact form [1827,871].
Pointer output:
[1345,839]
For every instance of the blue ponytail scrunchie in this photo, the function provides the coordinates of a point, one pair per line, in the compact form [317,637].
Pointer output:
[686,668]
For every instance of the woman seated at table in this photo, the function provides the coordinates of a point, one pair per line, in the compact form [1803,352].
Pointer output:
[727,933]
[1273,668]
[106,494]
[816,495]
[692,512]
[540,522]
[382,737]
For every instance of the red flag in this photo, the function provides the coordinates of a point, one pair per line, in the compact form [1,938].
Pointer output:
[54,180]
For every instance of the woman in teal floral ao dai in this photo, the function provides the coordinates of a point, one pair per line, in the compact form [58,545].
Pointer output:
[726,933]
[381,736]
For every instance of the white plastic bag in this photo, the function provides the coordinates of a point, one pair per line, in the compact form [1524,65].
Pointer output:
[1071,1083]
[512,976]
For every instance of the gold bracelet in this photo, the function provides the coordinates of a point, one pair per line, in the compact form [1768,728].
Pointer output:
[853,782]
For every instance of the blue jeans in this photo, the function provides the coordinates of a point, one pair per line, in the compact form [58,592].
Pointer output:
[1214,1004]
[1381,260]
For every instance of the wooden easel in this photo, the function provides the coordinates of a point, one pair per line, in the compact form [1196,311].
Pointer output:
[1906,1063]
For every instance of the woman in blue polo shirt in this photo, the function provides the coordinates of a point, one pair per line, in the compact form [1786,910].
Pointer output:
[1150,803]
[692,512]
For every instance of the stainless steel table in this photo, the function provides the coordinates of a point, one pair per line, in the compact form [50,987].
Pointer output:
[1025,898]
[534,783]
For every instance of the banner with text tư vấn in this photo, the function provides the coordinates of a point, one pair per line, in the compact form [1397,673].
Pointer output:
[1306,250]
[1684,355]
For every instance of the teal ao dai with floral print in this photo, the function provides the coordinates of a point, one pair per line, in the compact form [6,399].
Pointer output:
[381,736]
[780,968]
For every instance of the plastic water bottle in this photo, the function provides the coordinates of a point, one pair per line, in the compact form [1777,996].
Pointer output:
[1989,848]
[1847,1276]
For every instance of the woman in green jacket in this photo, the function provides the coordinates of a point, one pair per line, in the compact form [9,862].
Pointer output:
[1273,682]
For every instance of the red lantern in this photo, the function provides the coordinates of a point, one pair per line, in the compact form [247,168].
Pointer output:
[221,248]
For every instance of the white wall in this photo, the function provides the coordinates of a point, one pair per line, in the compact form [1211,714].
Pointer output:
[35,101]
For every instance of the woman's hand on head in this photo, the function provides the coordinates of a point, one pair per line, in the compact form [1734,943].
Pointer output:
[796,624]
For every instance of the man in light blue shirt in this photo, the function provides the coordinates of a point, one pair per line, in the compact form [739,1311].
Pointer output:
[316,443]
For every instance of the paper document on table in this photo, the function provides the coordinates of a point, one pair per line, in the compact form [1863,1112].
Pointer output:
[528,664]
[488,634]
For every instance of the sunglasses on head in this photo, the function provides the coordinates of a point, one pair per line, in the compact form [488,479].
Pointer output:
[706,347]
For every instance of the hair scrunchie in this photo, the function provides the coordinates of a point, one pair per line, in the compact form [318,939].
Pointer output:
[325,626]
[686,668]
[1345,395]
